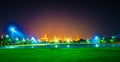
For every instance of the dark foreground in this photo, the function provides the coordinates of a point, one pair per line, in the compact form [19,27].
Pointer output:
[60,55]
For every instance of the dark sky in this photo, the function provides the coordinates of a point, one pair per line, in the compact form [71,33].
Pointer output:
[61,17]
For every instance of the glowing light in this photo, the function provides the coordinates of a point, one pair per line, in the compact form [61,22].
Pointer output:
[56,46]
[96,40]
[68,40]
[44,38]
[68,46]
[111,40]
[96,45]
[33,40]
[88,41]
[113,37]
[103,40]
[7,36]
[12,28]
[32,46]
[23,40]
[17,39]
[96,37]
[15,33]
[56,39]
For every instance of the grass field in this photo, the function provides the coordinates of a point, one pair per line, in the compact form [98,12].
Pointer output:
[61,55]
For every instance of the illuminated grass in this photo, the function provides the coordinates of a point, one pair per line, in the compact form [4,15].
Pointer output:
[60,55]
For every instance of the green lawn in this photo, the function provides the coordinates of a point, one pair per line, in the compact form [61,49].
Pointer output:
[61,55]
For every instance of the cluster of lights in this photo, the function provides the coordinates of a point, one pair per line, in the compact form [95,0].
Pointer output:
[57,39]
[17,36]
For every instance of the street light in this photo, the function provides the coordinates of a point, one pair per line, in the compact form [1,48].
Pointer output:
[12,29]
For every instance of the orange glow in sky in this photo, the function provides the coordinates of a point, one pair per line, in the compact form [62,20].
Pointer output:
[60,24]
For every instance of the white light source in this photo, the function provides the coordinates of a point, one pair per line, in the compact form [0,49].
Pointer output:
[96,37]
[56,46]
[33,40]
[95,40]
[12,29]
[96,45]
[68,46]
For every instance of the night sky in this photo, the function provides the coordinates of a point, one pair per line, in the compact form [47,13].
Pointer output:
[68,18]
